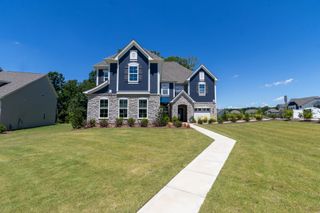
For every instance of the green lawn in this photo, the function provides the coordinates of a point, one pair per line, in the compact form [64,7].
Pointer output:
[274,167]
[102,170]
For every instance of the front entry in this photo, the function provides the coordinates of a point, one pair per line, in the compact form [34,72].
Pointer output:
[182,113]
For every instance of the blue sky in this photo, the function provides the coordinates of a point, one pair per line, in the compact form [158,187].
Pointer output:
[259,50]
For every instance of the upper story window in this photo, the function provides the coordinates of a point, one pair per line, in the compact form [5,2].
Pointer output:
[202,88]
[133,73]
[104,108]
[133,55]
[201,76]
[106,74]
[165,89]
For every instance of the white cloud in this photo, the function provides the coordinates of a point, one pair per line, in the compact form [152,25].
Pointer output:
[279,98]
[278,83]
[16,43]
[235,76]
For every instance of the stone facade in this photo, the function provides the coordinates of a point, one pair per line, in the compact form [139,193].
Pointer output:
[94,102]
[182,101]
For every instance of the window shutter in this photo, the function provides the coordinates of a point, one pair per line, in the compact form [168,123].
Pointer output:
[140,74]
[126,73]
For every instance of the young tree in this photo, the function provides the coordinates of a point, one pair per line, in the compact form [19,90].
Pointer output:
[307,114]
[287,114]
[188,63]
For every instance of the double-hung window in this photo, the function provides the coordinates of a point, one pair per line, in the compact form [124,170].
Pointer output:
[106,75]
[143,108]
[104,108]
[165,89]
[123,108]
[202,88]
[133,73]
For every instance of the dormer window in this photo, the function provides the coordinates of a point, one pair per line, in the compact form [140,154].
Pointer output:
[106,75]
[202,89]
[201,76]
[133,73]
[133,55]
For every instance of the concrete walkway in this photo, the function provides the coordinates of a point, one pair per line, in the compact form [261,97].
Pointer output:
[188,189]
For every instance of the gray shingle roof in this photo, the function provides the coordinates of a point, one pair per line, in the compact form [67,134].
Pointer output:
[174,72]
[303,101]
[16,80]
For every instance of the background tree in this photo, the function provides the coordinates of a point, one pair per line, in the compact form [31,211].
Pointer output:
[188,63]
[57,80]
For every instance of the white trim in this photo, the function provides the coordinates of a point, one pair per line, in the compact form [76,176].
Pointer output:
[188,87]
[205,88]
[158,87]
[205,69]
[133,59]
[97,88]
[215,93]
[108,72]
[97,77]
[133,64]
[123,108]
[118,76]
[146,108]
[103,98]
[133,93]
[201,76]
[165,95]
[174,89]
[149,72]
[181,93]
[131,44]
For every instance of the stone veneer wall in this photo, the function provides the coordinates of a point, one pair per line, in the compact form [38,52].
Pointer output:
[94,101]
[182,101]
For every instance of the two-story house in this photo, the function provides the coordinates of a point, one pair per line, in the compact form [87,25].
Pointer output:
[134,83]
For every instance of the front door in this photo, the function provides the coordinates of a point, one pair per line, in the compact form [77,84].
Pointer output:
[182,113]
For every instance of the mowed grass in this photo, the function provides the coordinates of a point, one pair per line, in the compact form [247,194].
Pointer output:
[57,169]
[274,167]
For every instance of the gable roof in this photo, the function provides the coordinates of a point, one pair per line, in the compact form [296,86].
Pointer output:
[16,80]
[131,44]
[202,67]
[303,101]
[182,93]
[97,88]
[174,72]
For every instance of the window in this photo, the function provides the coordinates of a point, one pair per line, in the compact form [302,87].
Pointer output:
[165,89]
[201,76]
[202,110]
[133,73]
[123,108]
[202,88]
[104,105]
[133,55]
[106,75]
[143,108]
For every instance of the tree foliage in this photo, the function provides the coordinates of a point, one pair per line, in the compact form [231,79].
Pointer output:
[189,62]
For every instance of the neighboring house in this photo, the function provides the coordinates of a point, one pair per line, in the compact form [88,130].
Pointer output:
[302,103]
[251,111]
[235,111]
[134,83]
[281,107]
[26,100]
[272,112]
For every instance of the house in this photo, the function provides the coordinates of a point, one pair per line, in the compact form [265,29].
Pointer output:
[251,111]
[235,111]
[26,100]
[272,112]
[134,83]
[302,103]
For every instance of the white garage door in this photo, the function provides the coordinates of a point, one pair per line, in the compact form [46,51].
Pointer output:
[201,113]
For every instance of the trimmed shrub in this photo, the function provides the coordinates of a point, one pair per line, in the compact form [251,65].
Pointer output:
[287,114]
[192,120]
[131,122]
[177,124]
[258,117]
[91,123]
[103,123]
[220,120]
[247,117]
[211,120]
[307,114]
[119,122]
[205,119]
[144,122]
[239,116]
[3,128]
[233,118]
[200,121]
[174,119]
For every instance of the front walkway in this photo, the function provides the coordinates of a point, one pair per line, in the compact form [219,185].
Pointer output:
[188,189]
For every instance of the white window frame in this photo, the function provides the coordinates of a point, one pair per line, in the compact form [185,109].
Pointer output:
[205,89]
[108,74]
[123,108]
[103,108]
[162,89]
[201,76]
[132,54]
[143,108]
[133,65]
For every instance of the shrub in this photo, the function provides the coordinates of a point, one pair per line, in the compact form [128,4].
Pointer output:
[174,119]
[131,122]
[211,120]
[247,117]
[104,123]
[200,121]
[233,118]
[258,116]
[3,128]
[144,122]
[307,114]
[162,119]
[225,116]
[192,120]
[220,120]
[177,124]
[287,114]
[239,116]
[119,122]
[91,123]
[205,120]
[76,118]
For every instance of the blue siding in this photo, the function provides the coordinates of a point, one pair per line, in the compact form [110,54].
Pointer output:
[154,78]
[167,99]
[194,88]
[143,72]
[179,88]
[103,90]
[113,77]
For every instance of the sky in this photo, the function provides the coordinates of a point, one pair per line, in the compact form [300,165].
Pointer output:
[259,50]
